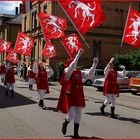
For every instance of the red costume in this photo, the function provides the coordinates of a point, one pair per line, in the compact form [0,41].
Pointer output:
[42,81]
[72,92]
[10,78]
[31,74]
[110,85]
[2,69]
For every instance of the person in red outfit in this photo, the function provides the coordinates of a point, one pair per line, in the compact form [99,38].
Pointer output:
[2,72]
[31,76]
[72,99]
[42,83]
[111,90]
[10,79]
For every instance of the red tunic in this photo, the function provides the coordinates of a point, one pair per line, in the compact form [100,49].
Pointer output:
[42,81]
[31,74]
[110,85]
[75,96]
[10,77]
[2,69]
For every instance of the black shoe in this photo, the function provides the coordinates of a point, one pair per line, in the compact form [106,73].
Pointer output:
[12,93]
[112,113]
[40,103]
[102,109]
[76,129]
[44,107]
[6,92]
[64,127]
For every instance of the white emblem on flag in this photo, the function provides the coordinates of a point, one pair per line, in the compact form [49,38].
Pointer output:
[72,43]
[135,33]
[86,10]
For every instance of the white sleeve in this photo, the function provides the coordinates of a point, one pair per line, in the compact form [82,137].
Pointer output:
[90,73]
[122,73]
[68,71]
[35,68]
[106,70]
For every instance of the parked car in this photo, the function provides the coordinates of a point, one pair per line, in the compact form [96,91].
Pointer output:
[134,84]
[99,73]
[123,82]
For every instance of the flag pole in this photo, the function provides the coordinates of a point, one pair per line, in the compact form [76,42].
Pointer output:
[74,25]
[126,24]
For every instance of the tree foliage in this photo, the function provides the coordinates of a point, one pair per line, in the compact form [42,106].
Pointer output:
[60,69]
[130,60]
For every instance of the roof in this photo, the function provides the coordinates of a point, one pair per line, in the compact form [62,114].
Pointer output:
[6,15]
[16,20]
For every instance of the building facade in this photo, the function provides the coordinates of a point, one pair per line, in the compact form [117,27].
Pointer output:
[104,40]
[9,28]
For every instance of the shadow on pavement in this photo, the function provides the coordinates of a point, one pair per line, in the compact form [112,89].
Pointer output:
[9,101]
[23,87]
[52,109]
[83,137]
[50,98]
[99,114]
[129,119]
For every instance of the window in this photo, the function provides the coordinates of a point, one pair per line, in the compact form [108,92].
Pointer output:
[33,52]
[43,44]
[25,23]
[45,8]
[34,19]
[96,48]
[99,72]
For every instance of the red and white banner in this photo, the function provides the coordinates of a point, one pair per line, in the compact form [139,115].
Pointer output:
[12,56]
[132,31]
[4,45]
[52,26]
[85,14]
[72,44]
[49,50]
[24,44]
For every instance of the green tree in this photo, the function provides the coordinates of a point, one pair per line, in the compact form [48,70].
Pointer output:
[60,69]
[130,60]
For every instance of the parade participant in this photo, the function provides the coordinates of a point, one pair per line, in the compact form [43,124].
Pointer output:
[71,98]
[10,79]
[111,90]
[42,83]
[31,76]
[2,72]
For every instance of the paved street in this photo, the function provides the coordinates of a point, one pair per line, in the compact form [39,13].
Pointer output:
[20,117]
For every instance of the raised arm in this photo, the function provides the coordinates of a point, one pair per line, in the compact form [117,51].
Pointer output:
[106,70]
[91,72]
[35,68]
[68,71]
[122,73]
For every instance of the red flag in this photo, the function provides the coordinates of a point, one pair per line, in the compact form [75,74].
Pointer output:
[12,56]
[85,14]
[53,27]
[24,44]
[26,6]
[49,50]
[4,45]
[72,44]
[132,31]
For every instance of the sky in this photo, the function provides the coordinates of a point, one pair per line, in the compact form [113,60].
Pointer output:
[8,7]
